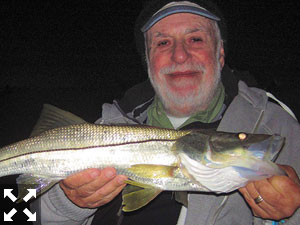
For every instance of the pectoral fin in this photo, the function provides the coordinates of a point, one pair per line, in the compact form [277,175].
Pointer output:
[28,181]
[136,195]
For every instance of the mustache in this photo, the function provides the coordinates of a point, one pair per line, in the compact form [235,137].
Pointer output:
[182,68]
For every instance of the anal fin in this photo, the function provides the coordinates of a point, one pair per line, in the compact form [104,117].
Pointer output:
[136,195]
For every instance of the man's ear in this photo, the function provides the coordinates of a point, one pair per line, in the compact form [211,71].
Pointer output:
[222,55]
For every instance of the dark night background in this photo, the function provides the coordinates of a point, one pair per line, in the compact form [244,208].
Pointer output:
[79,54]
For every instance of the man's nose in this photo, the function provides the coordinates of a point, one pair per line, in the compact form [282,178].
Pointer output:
[180,53]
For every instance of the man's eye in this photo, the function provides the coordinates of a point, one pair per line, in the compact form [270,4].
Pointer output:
[162,43]
[196,39]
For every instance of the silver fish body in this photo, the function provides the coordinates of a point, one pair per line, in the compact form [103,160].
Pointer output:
[154,159]
[59,152]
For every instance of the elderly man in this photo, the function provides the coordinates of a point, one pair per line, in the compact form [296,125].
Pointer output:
[185,57]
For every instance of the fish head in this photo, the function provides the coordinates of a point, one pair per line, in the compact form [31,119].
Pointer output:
[220,149]
[226,161]
[229,148]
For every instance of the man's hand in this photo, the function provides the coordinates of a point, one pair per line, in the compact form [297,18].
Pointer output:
[281,195]
[92,188]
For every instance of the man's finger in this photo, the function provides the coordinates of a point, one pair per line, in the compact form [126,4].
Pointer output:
[275,205]
[291,173]
[98,200]
[104,186]
[104,190]
[251,193]
[106,175]
[81,178]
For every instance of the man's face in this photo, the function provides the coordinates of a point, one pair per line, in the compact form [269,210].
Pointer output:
[184,63]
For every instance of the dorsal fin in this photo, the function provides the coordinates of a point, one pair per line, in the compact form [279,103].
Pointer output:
[52,117]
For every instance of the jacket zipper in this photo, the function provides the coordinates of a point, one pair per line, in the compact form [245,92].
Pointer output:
[219,209]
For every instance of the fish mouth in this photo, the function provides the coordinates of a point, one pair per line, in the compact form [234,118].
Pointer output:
[260,165]
[268,148]
[276,145]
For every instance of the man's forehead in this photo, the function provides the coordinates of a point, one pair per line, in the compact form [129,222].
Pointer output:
[186,31]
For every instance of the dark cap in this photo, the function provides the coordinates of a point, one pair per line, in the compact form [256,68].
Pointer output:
[178,7]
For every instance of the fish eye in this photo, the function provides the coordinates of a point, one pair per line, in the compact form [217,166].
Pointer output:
[242,136]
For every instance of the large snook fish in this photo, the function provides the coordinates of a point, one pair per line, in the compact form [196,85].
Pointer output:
[154,159]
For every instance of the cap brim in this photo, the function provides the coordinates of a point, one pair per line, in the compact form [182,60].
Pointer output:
[177,9]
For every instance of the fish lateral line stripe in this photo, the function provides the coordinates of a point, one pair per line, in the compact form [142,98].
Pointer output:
[85,148]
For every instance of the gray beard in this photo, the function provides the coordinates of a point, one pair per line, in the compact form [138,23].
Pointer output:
[194,101]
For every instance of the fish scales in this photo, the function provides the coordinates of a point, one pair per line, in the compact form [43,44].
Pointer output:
[88,135]
[108,146]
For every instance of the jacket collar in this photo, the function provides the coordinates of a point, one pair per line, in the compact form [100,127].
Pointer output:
[246,112]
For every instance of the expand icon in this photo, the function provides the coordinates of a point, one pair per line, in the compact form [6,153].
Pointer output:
[8,216]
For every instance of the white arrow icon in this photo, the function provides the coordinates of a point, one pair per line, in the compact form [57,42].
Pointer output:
[31,216]
[31,193]
[8,216]
[7,192]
